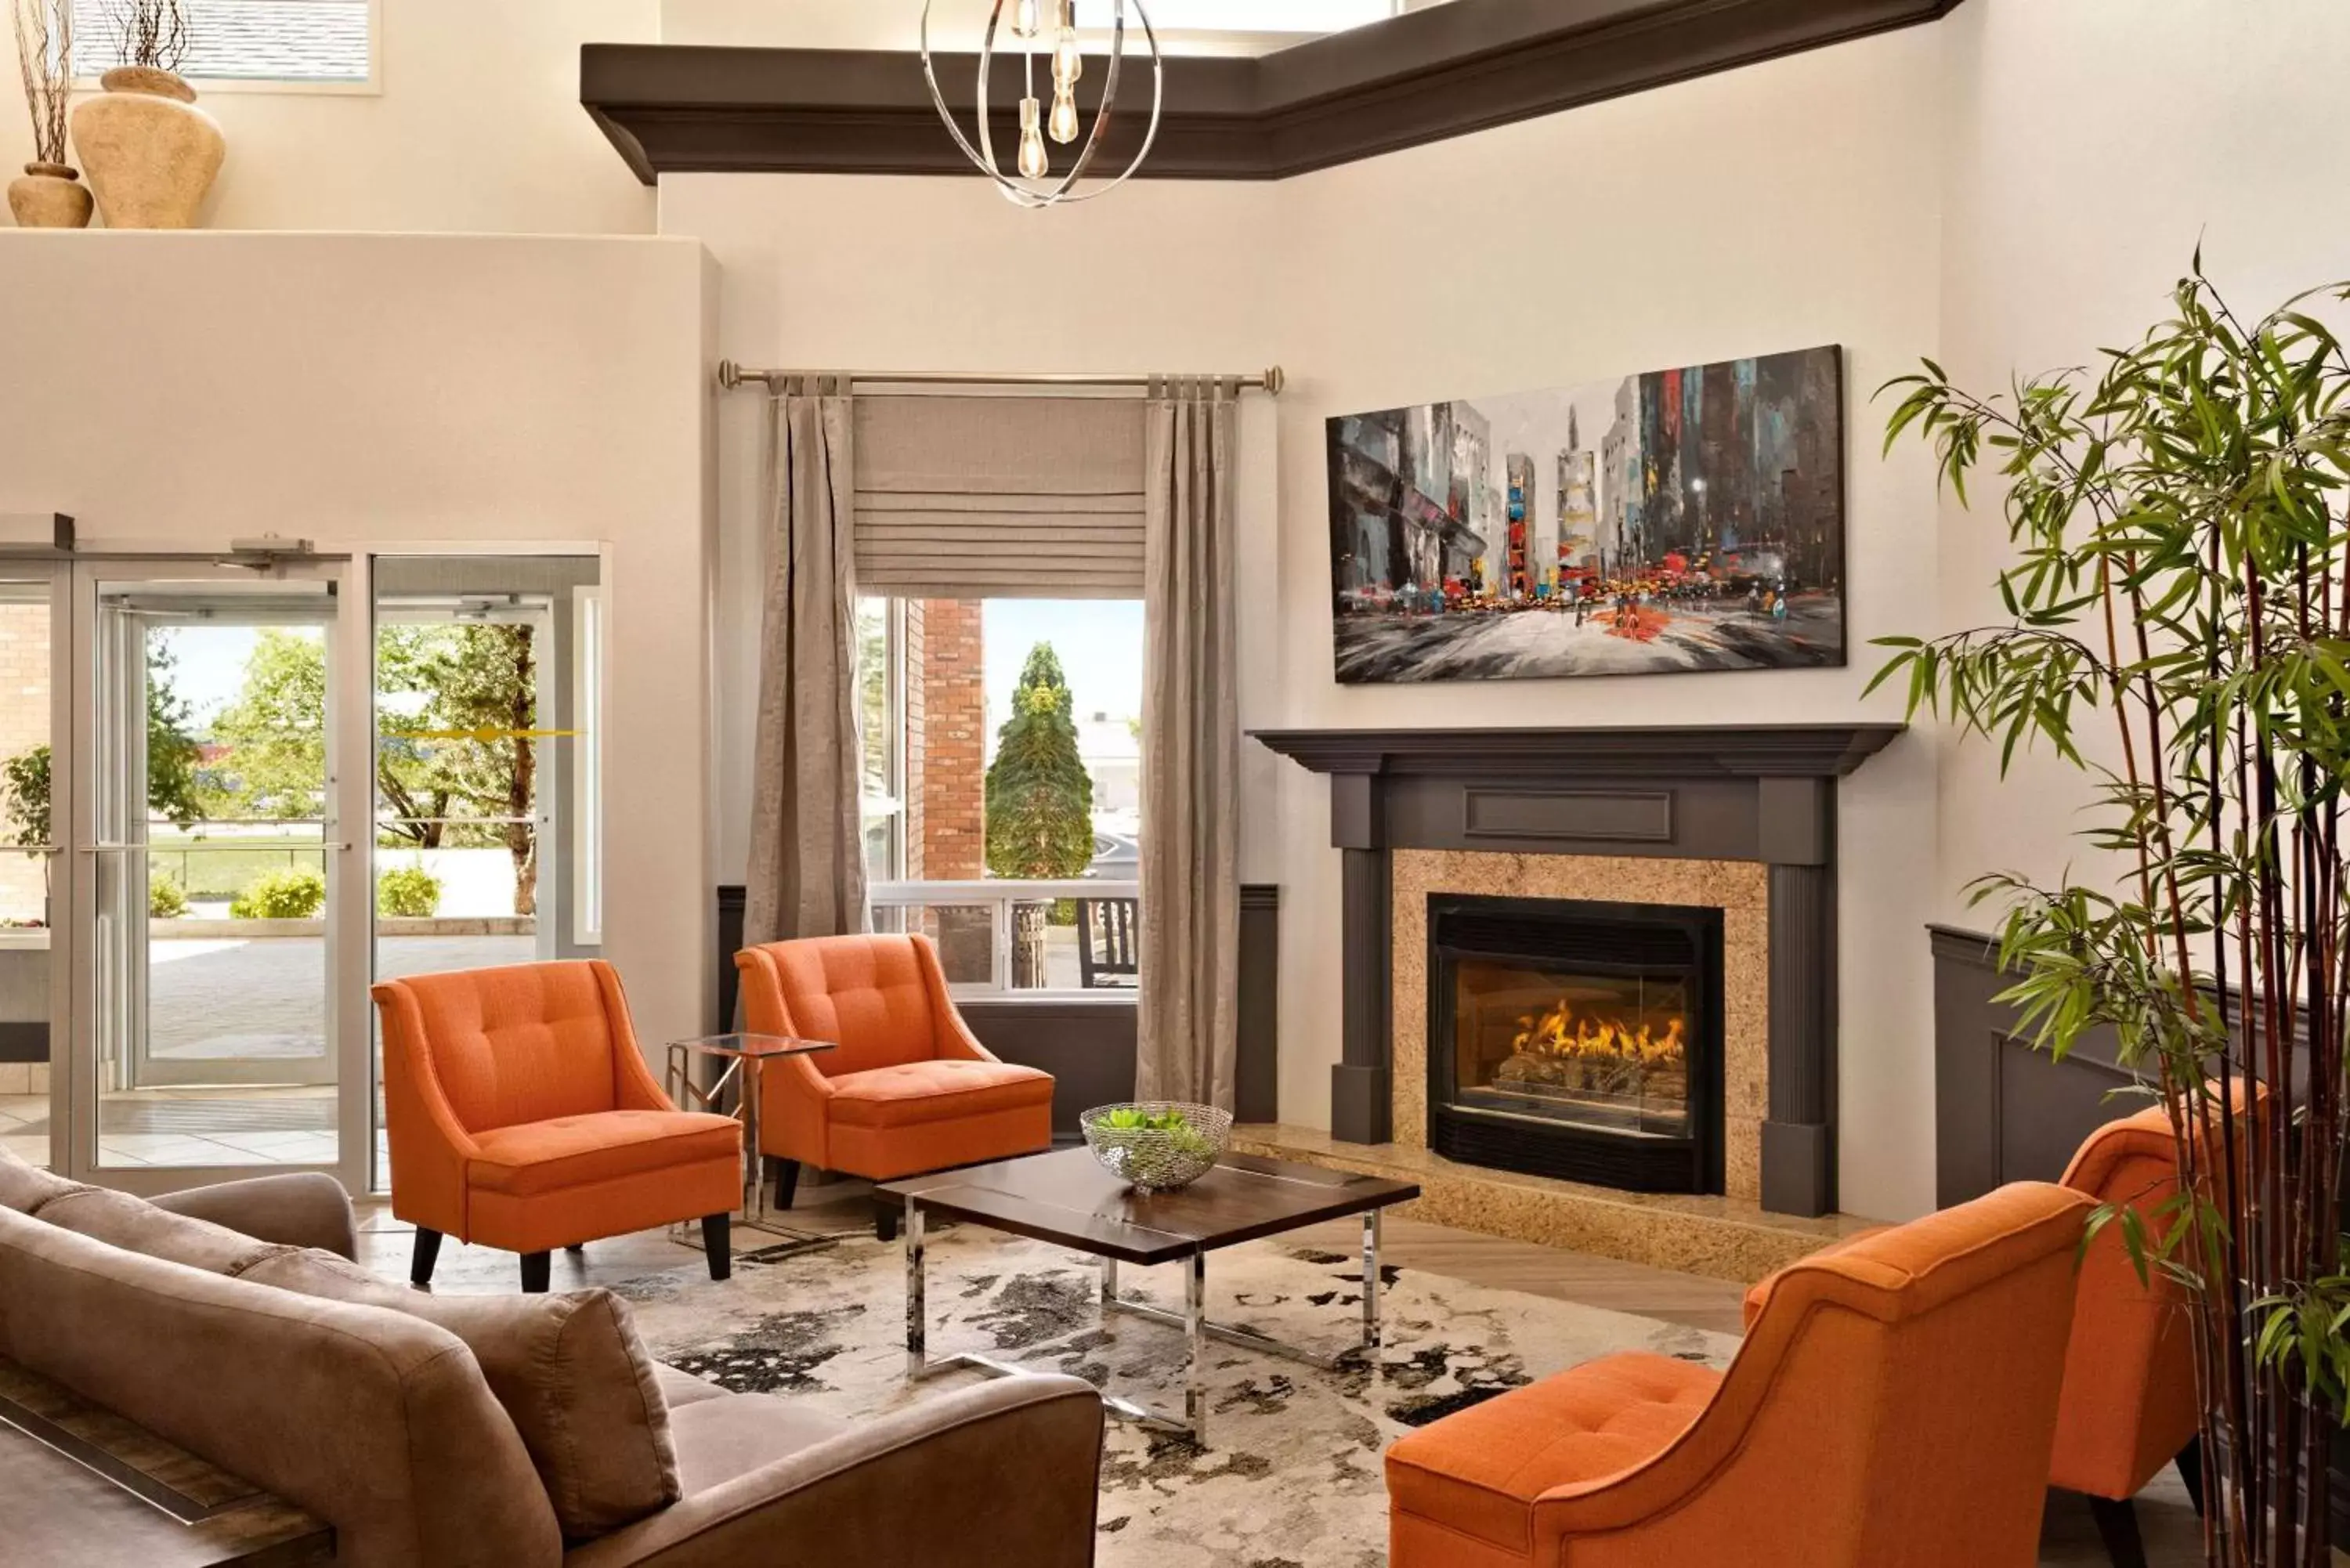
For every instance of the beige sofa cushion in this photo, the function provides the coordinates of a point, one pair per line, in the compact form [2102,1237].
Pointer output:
[26,1187]
[375,1421]
[136,1225]
[569,1370]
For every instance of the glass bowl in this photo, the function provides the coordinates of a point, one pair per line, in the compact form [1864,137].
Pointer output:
[1157,1159]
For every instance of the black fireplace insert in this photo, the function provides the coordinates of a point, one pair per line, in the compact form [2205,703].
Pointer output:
[1576,1040]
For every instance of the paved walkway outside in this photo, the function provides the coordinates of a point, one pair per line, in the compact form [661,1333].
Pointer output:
[218,1000]
[214,999]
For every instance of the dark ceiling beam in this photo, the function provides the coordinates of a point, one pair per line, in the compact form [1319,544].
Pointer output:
[1422,76]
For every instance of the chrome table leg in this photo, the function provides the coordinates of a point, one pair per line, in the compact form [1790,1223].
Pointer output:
[755,1194]
[917,1314]
[1195,1309]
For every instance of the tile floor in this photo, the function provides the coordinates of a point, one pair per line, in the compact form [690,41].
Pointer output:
[274,989]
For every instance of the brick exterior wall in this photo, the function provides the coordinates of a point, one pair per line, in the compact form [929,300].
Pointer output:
[24,724]
[946,771]
[950,786]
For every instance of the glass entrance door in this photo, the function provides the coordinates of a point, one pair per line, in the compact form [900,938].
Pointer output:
[35,622]
[217,895]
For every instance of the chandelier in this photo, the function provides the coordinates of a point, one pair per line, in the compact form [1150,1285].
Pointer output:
[1028,23]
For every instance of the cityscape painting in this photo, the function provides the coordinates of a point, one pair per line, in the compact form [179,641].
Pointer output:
[1680,520]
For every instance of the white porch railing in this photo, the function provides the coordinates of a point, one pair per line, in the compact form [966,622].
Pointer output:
[995,941]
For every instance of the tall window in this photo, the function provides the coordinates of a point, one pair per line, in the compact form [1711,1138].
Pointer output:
[319,43]
[1002,766]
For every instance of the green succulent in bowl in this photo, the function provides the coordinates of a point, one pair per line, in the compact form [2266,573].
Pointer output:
[1129,1118]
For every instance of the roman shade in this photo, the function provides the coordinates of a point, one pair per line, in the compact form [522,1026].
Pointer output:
[998,497]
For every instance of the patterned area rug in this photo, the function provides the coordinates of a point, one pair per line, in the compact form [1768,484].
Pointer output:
[1291,1477]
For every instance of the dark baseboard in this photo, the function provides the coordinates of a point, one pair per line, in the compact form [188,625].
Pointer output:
[1259,1096]
[24,1042]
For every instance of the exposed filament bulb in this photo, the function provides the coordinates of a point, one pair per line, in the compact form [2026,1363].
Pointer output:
[1025,18]
[1034,164]
[1064,125]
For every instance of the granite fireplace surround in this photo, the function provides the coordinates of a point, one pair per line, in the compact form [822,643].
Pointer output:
[1740,818]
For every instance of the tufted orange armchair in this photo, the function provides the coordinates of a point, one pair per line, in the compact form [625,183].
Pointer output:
[521,1115]
[1893,1407]
[909,1088]
[2130,1406]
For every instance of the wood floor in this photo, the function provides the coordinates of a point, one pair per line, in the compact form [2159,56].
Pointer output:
[2069,1536]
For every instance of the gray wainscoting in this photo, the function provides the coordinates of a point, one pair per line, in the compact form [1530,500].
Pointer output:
[1089,1043]
[2003,1111]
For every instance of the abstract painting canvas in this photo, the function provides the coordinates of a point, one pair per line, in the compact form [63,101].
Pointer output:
[1680,520]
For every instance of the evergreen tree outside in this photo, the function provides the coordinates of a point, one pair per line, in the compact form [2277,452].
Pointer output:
[1040,801]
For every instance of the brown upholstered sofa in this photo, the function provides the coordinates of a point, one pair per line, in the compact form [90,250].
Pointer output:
[468,1441]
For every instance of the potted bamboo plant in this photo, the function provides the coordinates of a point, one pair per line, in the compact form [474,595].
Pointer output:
[2182,595]
[151,153]
[50,195]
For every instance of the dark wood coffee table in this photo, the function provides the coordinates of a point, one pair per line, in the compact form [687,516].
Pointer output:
[1066,1198]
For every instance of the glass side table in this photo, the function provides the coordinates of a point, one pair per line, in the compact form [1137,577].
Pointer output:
[746,1057]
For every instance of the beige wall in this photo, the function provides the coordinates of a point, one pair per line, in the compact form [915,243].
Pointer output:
[2093,144]
[1789,205]
[1779,207]
[477,128]
[178,390]
[936,274]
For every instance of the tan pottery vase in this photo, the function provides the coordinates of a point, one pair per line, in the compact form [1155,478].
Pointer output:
[150,153]
[49,197]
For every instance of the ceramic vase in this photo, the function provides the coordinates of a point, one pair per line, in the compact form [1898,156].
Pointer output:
[149,151]
[49,197]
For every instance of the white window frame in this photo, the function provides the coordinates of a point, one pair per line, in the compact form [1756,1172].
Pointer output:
[893,701]
[87,71]
[999,896]
[590,696]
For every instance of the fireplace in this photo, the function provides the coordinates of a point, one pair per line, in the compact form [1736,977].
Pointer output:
[1578,1039]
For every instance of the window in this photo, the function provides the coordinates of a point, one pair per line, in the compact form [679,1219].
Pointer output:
[299,43]
[1245,15]
[1048,904]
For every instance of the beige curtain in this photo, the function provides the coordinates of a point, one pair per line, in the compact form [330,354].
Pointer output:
[1190,765]
[807,862]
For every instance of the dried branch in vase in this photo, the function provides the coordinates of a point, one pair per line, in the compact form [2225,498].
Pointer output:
[150,33]
[45,37]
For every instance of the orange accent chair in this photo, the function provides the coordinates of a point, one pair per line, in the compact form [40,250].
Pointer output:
[2130,1406]
[910,1089]
[522,1116]
[1893,1408]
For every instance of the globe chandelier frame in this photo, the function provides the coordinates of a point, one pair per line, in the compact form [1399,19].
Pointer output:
[1032,185]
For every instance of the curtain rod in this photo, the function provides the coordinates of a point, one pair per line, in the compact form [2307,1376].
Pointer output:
[731,376]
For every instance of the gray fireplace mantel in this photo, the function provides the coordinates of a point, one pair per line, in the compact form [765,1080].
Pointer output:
[1763,792]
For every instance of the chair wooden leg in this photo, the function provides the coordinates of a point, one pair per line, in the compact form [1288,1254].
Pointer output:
[787,1183]
[718,1246]
[537,1269]
[886,1215]
[2117,1524]
[426,1257]
[2190,1472]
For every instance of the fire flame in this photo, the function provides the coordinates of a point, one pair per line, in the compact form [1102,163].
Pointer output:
[1558,1032]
